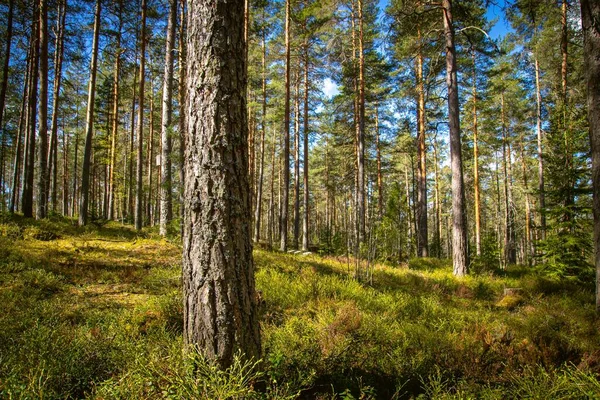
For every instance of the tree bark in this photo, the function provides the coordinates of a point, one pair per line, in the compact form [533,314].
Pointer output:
[590,15]
[477,195]
[182,101]
[283,207]
[220,310]
[361,129]
[422,239]
[139,194]
[89,123]
[538,115]
[460,256]
[510,253]
[305,130]
[115,121]
[58,61]
[297,162]
[166,208]
[4,84]
[29,157]
[261,167]
[42,195]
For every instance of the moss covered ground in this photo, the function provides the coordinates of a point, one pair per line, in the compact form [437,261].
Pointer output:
[97,313]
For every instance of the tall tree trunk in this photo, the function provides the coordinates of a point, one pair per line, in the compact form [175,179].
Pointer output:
[29,158]
[4,83]
[261,167]
[460,256]
[538,115]
[89,123]
[150,153]
[297,161]
[58,60]
[529,251]
[379,174]
[115,121]
[271,211]
[65,177]
[139,194]
[476,162]
[590,15]
[564,40]
[75,198]
[220,310]
[510,254]
[130,207]
[361,129]
[422,240]
[283,208]
[306,132]
[42,195]
[438,206]
[14,198]
[182,102]
[166,207]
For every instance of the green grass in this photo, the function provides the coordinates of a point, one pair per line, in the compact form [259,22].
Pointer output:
[97,313]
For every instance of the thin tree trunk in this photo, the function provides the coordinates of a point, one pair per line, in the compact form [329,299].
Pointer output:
[139,195]
[379,174]
[150,153]
[422,236]
[529,250]
[261,167]
[271,212]
[590,15]
[220,310]
[182,102]
[58,60]
[361,129]
[65,177]
[89,129]
[438,207]
[476,163]
[305,241]
[541,190]
[283,208]
[460,256]
[14,198]
[43,178]
[29,158]
[115,125]
[509,245]
[297,161]
[166,205]
[4,87]
[130,211]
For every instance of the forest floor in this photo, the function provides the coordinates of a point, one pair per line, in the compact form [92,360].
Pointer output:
[96,312]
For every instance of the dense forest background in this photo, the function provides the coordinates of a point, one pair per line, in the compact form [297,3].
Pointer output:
[356,160]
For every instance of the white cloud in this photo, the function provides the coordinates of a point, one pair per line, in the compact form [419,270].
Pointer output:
[330,88]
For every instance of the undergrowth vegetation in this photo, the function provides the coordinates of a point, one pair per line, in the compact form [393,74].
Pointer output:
[97,313]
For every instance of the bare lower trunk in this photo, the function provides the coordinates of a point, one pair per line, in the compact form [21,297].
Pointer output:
[421,209]
[42,194]
[220,311]
[460,256]
[305,150]
[261,167]
[115,121]
[89,124]
[590,12]
[283,209]
[139,194]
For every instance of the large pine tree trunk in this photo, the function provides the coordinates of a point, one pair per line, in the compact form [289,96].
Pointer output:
[139,193]
[89,123]
[166,208]
[220,313]
[460,256]
[283,207]
[590,15]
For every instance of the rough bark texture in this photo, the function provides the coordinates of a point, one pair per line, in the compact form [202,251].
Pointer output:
[590,15]
[459,219]
[220,314]
[283,207]
[89,124]
[139,195]
[42,195]
[166,208]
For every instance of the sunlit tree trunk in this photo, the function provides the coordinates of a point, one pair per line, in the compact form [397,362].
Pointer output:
[305,130]
[166,209]
[460,256]
[538,115]
[139,194]
[89,123]
[477,195]
[261,166]
[283,208]
[421,206]
[42,157]
[590,15]
[220,310]
[115,120]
